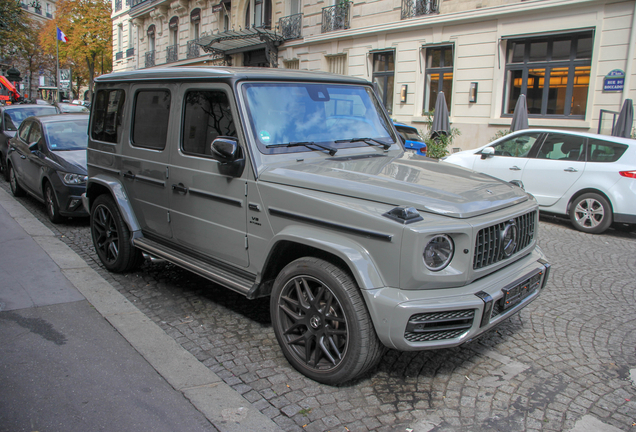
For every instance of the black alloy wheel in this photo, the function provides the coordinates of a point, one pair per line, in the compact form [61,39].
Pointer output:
[111,237]
[16,189]
[321,322]
[52,207]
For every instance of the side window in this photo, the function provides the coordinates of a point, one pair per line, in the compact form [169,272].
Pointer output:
[563,147]
[518,146]
[8,123]
[35,134]
[604,151]
[150,119]
[207,115]
[107,115]
[24,130]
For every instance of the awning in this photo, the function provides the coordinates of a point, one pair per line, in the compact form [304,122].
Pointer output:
[231,42]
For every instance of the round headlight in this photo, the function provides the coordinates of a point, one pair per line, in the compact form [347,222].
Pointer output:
[438,253]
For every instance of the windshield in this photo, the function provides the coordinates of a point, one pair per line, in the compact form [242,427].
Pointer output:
[327,114]
[67,135]
[17,115]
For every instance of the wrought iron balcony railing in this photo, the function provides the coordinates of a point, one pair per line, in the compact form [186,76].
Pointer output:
[172,53]
[119,55]
[291,27]
[150,58]
[193,49]
[117,5]
[134,3]
[415,8]
[130,52]
[336,17]
[48,15]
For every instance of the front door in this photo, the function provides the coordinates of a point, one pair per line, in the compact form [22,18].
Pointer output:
[208,207]
[510,158]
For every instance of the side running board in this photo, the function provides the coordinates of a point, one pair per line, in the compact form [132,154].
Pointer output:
[236,281]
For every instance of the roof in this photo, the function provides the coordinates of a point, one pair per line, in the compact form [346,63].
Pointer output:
[225,73]
[56,118]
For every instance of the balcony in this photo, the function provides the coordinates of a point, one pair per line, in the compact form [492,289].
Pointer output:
[150,59]
[130,52]
[291,27]
[49,15]
[336,17]
[416,8]
[119,55]
[172,53]
[193,48]
[117,5]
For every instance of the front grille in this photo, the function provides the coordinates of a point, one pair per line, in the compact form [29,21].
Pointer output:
[433,326]
[488,249]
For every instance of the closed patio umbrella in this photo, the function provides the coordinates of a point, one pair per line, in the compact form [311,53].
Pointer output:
[520,116]
[441,122]
[623,126]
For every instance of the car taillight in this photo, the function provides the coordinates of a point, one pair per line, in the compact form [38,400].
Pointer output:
[631,174]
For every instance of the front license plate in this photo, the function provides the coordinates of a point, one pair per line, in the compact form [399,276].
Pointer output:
[514,295]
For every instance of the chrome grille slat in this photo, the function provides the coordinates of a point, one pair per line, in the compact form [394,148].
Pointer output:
[488,248]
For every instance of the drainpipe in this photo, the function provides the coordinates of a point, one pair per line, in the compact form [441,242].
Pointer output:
[630,57]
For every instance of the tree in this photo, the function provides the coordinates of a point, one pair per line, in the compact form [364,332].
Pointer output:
[87,25]
[29,56]
[12,23]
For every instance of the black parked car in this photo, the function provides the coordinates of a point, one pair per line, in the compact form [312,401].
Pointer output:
[47,159]
[10,118]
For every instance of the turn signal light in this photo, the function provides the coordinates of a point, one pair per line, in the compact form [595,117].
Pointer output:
[630,174]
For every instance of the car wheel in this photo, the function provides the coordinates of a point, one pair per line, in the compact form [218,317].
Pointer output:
[111,237]
[52,208]
[16,189]
[591,213]
[322,323]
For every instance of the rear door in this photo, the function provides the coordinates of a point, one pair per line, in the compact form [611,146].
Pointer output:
[558,164]
[208,207]
[510,158]
[145,158]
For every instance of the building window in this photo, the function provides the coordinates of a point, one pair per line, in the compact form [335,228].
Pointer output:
[291,64]
[383,76]
[337,64]
[439,76]
[565,60]
[120,36]
[130,34]
[262,16]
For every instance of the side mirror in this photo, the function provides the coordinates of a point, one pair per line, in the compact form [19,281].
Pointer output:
[33,147]
[487,152]
[227,151]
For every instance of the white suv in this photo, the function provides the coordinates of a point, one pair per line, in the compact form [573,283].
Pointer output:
[591,178]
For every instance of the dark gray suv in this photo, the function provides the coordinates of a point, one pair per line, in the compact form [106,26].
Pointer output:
[295,185]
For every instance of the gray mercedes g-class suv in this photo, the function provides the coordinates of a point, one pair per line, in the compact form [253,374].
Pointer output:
[295,185]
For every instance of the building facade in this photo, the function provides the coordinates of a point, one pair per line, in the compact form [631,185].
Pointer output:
[573,59]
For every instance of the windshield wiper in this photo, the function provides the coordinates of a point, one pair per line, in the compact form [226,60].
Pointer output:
[308,144]
[369,141]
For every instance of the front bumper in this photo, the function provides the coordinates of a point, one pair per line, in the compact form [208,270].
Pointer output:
[410,320]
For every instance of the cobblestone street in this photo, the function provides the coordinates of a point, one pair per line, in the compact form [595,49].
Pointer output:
[567,355]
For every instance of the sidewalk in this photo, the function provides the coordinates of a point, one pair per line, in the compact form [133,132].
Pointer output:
[75,355]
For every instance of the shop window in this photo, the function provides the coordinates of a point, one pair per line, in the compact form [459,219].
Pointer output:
[439,76]
[552,71]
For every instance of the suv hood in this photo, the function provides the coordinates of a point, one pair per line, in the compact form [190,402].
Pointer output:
[428,185]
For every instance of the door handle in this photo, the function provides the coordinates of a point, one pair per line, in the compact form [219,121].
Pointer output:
[22,156]
[570,169]
[129,175]
[180,188]
[514,168]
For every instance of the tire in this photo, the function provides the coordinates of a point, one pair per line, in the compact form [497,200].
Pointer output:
[591,213]
[111,237]
[321,322]
[16,189]
[52,207]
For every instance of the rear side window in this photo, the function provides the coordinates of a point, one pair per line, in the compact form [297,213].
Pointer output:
[605,151]
[107,115]
[207,115]
[150,119]
[563,147]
